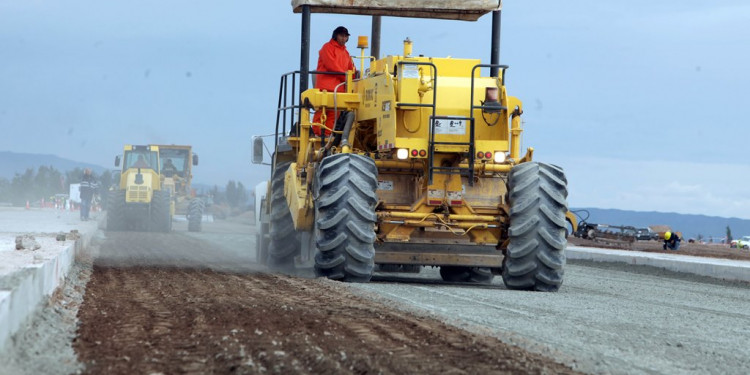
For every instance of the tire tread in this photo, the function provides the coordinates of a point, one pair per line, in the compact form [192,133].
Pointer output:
[345,217]
[535,257]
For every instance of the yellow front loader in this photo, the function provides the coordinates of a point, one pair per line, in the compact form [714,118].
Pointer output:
[140,201]
[424,167]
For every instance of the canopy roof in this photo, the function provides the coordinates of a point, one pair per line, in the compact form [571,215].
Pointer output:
[466,10]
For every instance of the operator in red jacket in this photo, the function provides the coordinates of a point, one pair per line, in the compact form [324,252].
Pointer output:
[333,57]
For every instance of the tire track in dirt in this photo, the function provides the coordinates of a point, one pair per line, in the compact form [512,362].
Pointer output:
[138,318]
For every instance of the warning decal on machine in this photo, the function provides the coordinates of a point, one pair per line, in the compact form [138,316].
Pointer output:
[435,193]
[449,126]
[385,185]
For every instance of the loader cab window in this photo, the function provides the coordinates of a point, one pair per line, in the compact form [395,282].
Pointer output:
[179,159]
[141,159]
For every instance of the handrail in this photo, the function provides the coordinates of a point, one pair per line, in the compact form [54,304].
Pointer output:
[290,102]
[473,107]
[433,71]
[502,82]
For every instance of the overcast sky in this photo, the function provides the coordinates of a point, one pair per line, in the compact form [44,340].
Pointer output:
[645,104]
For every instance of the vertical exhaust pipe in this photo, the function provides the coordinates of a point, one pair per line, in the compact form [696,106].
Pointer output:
[495,49]
[375,37]
[304,64]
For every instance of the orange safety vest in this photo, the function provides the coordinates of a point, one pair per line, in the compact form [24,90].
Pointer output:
[332,57]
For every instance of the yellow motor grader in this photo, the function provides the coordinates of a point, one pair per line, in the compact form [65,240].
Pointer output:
[424,166]
[140,201]
[177,163]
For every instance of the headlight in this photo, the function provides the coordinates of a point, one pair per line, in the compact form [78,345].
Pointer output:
[499,156]
[402,153]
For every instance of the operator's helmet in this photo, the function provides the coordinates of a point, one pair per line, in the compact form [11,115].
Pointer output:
[667,235]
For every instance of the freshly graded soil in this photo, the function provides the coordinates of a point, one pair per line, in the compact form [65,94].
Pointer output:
[138,318]
[161,320]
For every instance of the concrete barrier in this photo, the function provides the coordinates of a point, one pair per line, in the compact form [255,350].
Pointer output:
[725,269]
[29,278]
[30,286]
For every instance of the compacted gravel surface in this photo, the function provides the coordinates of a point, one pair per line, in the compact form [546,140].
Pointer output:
[607,318]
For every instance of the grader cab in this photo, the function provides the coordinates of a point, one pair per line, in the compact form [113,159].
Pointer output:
[423,168]
[177,162]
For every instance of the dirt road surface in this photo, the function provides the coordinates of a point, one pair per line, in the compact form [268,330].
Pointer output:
[195,303]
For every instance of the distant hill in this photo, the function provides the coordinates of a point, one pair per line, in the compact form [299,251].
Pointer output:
[13,162]
[690,225]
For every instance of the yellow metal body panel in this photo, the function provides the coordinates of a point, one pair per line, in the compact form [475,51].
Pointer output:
[298,198]
[139,193]
[571,217]
[394,107]
[379,104]
[389,90]
[148,181]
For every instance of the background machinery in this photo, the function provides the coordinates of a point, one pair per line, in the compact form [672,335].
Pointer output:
[177,180]
[613,235]
[424,167]
[140,201]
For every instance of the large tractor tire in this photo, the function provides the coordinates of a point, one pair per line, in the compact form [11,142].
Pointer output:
[284,244]
[161,217]
[345,217]
[535,257]
[195,215]
[116,210]
[466,274]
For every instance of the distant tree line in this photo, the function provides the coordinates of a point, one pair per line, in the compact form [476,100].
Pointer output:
[235,195]
[43,183]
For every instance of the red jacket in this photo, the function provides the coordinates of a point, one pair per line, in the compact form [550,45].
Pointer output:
[333,57]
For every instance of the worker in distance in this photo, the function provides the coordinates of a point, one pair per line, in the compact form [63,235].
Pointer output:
[671,241]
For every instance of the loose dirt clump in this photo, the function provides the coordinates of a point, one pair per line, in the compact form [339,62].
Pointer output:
[168,320]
